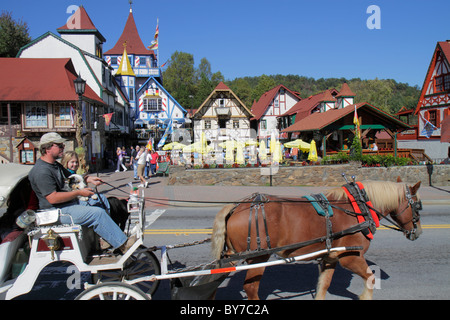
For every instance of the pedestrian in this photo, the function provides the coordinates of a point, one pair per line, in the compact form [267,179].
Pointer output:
[119,154]
[142,158]
[47,179]
[133,161]
[153,162]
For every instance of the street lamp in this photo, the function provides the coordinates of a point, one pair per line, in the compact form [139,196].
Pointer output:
[80,87]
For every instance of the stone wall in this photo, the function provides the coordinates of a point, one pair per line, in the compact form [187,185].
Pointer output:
[329,175]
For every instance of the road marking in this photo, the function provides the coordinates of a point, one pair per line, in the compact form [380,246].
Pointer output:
[209,231]
[424,226]
[178,231]
[150,219]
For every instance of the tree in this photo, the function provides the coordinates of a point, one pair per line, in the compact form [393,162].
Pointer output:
[13,35]
[265,83]
[179,77]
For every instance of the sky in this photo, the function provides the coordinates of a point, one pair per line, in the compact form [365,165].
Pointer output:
[318,39]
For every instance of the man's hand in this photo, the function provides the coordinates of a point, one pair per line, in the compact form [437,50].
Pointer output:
[94,180]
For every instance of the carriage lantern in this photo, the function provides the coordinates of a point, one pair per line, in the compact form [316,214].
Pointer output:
[51,240]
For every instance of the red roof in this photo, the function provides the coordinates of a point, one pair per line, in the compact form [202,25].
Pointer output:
[320,120]
[445,49]
[26,79]
[259,108]
[80,21]
[345,91]
[304,107]
[222,86]
[130,34]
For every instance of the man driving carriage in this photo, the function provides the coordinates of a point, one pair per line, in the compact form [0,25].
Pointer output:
[47,180]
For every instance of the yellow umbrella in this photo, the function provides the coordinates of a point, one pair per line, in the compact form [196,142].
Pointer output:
[313,152]
[299,144]
[276,154]
[273,142]
[251,142]
[229,155]
[173,146]
[262,150]
[240,153]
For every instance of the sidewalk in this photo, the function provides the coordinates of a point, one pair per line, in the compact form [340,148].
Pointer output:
[159,193]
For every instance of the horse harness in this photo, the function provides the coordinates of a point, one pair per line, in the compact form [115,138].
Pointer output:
[368,220]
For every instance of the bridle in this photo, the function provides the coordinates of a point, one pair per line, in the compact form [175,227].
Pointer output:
[416,206]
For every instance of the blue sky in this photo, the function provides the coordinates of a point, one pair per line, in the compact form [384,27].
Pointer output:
[319,39]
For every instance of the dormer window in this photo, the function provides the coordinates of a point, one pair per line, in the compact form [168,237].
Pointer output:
[153,104]
[442,83]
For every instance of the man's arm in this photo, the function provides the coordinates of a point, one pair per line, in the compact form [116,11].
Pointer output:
[61,197]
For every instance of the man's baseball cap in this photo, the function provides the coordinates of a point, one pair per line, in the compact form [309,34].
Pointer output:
[51,137]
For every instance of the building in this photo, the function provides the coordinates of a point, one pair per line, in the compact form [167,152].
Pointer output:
[144,62]
[82,42]
[271,105]
[38,96]
[433,106]
[222,116]
[159,114]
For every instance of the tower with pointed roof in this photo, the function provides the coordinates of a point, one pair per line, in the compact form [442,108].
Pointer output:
[81,31]
[142,60]
[126,77]
[345,96]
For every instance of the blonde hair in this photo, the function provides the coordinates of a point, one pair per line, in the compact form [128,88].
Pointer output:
[67,156]
[384,195]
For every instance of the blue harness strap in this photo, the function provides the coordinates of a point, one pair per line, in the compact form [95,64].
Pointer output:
[320,204]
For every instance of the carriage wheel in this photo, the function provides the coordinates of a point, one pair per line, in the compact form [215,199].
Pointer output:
[112,291]
[141,263]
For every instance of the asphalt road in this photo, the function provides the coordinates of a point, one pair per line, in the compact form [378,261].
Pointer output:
[404,269]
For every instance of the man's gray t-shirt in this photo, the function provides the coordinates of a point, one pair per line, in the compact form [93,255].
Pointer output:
[46,178]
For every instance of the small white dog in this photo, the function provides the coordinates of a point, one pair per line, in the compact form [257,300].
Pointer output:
[76,182]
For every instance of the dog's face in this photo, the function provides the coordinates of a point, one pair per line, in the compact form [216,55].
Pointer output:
[76,182]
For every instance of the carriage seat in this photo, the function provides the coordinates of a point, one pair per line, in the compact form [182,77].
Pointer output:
[8,249]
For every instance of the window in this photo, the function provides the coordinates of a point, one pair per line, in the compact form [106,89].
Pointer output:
[142,61]
[207,124]
[235,124]
[62,116]
[131,94]
[36,115]
[15,113]
[221,103]
[442,83]
[263,124]
[152,104]
[432,119]
[113,60]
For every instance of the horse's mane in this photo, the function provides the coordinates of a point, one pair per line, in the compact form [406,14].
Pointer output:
[384,195]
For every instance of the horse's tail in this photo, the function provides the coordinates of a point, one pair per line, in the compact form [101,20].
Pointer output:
[219,231]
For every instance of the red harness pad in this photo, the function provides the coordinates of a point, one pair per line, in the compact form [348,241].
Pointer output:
[357,210]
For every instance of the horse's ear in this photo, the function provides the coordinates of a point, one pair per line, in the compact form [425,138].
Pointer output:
[415,187]
[399,179]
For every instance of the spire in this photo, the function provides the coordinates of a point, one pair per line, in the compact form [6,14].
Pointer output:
[125,68]
[345,91]
[130,34]
[80,22]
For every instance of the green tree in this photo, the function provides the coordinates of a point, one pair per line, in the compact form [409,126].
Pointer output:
[265,83]
[13,35]
[179,77]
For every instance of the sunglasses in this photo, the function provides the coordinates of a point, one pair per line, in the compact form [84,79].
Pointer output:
[59,145]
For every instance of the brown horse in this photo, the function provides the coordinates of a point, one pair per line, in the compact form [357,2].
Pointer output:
[292,221]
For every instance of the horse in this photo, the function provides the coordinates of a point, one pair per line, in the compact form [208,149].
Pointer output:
[294,220]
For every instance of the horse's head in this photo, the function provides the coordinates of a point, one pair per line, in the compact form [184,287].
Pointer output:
[407,214]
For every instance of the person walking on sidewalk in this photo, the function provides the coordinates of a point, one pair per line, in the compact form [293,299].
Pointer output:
[120,155]
[133,161]
[142,160]
[153,162]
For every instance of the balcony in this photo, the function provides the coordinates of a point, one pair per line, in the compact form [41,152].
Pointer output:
[223,111]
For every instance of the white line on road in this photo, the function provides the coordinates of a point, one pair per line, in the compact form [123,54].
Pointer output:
[150,219]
